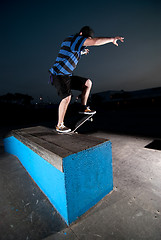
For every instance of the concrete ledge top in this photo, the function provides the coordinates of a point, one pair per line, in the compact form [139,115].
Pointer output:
[54,147]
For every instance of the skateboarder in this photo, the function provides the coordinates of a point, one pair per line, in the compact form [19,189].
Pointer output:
[61,72]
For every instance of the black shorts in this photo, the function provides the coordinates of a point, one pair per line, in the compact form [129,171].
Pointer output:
[64,84]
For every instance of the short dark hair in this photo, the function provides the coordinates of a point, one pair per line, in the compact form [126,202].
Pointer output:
[87,31]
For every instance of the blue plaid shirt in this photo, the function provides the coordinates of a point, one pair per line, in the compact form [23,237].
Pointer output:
[68,56]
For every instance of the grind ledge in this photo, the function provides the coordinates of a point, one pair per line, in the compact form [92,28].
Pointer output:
[73,171]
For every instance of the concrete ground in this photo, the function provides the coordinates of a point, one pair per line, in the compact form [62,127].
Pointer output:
[132,211]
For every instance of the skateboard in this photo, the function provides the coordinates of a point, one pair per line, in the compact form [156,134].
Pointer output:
[88,117]
[82,119]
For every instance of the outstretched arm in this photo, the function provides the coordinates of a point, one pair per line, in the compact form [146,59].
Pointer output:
[102,40]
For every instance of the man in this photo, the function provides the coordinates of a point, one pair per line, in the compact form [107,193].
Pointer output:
[61,72]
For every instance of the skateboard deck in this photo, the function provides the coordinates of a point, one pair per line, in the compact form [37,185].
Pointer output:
[82,119]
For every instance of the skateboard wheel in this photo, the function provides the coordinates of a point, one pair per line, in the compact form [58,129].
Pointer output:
[90,119]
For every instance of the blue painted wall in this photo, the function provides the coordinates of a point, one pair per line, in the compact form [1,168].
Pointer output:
[48,178]
[88,178]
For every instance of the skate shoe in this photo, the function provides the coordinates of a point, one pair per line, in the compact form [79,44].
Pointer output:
[86,110]
[62,129]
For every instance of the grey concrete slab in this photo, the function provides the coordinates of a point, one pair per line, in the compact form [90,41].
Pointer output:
[120,220]
[25,213]
[66,234]
[53,147]
[42,148]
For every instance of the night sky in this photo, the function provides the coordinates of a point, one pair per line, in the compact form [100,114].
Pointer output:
[32,32]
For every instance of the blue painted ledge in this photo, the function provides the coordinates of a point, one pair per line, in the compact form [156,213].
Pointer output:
[74,172]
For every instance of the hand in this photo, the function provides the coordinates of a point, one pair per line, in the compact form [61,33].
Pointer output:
[116,39]
[86,51]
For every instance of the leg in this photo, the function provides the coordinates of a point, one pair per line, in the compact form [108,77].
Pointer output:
[86,91]
[62,109]
[84,85]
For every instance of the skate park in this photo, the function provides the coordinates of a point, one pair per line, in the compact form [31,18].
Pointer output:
[114,192]
[130,211]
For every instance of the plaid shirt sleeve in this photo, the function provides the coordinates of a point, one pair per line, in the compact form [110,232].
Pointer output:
[77,43]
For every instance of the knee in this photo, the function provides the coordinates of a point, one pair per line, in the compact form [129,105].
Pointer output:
[88,83]
[67,99]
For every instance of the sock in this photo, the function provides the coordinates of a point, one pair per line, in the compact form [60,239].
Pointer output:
[83,108]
